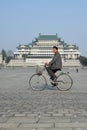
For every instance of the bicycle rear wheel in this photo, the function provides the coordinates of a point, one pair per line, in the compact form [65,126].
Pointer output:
[37,82]
[64,82]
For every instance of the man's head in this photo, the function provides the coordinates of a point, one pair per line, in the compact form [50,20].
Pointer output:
[55,49]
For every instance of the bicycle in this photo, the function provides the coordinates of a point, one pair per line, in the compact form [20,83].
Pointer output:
[38,81]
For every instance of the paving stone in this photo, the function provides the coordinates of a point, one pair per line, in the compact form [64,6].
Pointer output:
[8,125]
[52,119]
[32,115]
[20,115]
[70,115]
[58,114]
[45,115]
[3,119]
[22,120]
[71,125]
[39,125]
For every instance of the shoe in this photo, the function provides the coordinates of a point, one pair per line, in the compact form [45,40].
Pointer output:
[39,73]
[53,84]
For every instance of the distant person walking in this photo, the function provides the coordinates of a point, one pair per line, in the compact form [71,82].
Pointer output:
[54,65]
[76,69]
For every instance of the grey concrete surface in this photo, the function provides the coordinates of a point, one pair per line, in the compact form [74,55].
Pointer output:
[21,108]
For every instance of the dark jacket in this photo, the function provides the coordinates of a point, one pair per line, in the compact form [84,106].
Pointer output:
[56,62]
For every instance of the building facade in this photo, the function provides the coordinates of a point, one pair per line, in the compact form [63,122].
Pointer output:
[22,49]
[41,47]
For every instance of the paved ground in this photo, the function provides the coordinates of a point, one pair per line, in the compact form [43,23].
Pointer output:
[24,109]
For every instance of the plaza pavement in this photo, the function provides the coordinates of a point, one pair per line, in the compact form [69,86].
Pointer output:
[21,108]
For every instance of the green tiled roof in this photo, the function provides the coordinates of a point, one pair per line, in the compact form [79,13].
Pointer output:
[47,37]
[26,46]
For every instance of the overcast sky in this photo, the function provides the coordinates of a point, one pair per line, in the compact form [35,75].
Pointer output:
[22,20]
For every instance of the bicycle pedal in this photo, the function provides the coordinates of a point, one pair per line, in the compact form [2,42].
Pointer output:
[39,73]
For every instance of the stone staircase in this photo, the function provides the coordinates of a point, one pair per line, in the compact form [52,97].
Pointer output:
[35,61]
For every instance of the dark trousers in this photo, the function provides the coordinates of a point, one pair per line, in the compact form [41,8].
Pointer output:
[52,72]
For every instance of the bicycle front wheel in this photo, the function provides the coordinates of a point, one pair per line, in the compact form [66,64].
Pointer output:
[64,82]
[37,82]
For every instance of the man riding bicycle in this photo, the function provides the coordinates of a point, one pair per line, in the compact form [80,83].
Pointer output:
[54,65]
[62,81]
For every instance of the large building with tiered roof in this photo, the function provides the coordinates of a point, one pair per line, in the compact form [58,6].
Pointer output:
[42,47]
